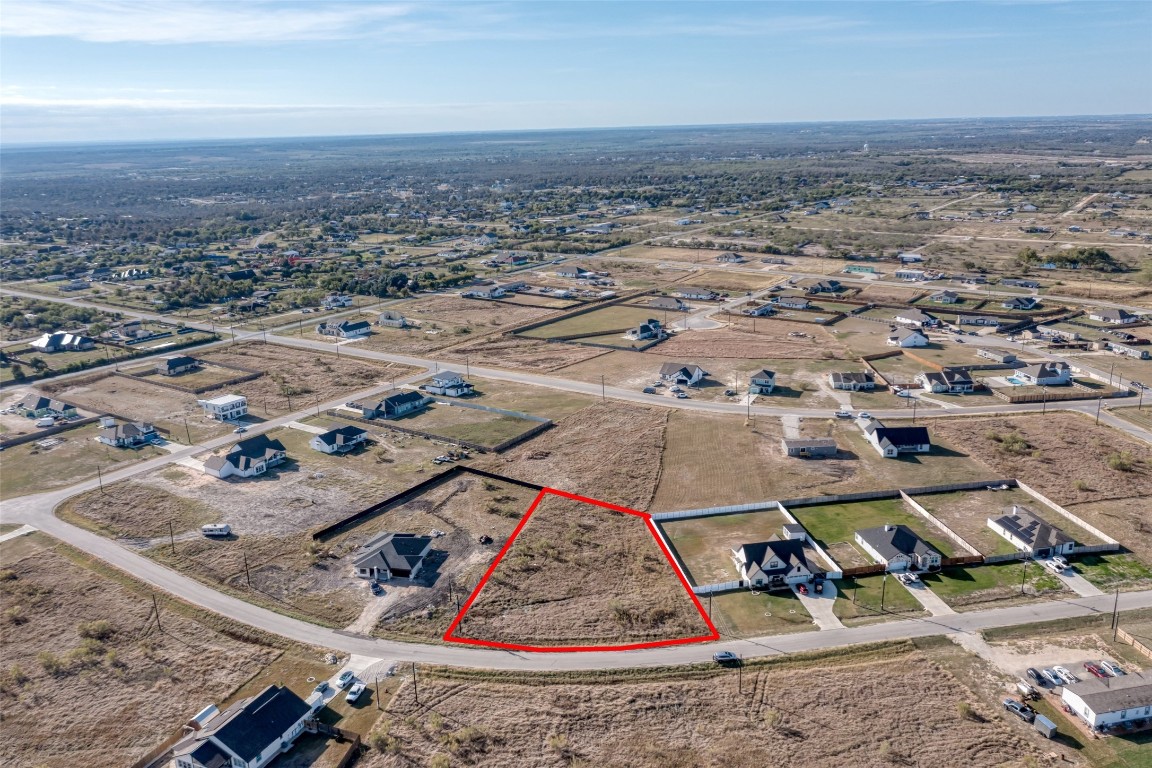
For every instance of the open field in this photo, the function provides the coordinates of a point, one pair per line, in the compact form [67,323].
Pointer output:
[704,544]
[552,586]
[864,599]
[517,352]
[29,468]
[1071,461]
[608,451]
[816,711]
[741,613]
[467,424]
[990,586]
[832,523]
[600,320]
[764,338]
[88,679]
[538,401]
[734,283]
[967,513]
[204,376]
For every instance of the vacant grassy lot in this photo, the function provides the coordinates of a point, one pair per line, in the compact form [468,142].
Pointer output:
[518,352]
[967,513]
[704,544]
[967,589]
[764,338]
[599,320]
[743,614]
[1110,571]
[88,679]
[832,523]
[204,376]
[29,468]
[855,707]
[551,589]
[468,424]
[865,599]
[539,401]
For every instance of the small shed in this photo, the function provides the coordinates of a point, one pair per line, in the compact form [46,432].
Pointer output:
[795,531]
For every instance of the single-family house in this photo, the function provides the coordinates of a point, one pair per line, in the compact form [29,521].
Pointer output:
[574,272]
[511,259]
[225,407]
[698,294]
[792,302]
[336,301]
[996,355]
[339,440]
[762,382]
[1046,374]
[853,381]
[1020,282]
[240,274]
[36,406]
[762,310]
[890,442]
[62,342]
[909,275]
[390,318]
[484,292]
[898,547]
[808,447]
[1021,303]
[649,329]
[774,564]
[393,406]
[126,435]
[391,556]
[731,257]
[1113,316]
[947,381]
[449,384]
[685,375]
[825,286]
[250,733]
[1030,533]
[945,297]
[247,458]
[599,229]
[345,329]
[171,366]
[985,320]
[906,337]
[668,303]
[1110,701]
[914,318]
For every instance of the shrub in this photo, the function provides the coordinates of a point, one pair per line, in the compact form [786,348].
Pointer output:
[7,574]
[97,630]
[1121,462]
[51,663]
[440,761]
[15,616]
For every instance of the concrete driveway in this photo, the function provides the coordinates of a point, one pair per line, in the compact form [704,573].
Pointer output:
[929,599]
[820,606]
[1078,584]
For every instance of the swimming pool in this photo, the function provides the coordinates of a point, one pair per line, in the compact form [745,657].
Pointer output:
[1015,381]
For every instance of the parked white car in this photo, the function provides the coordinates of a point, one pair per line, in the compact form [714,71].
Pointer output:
[354,693]
[1051,677]
[1065,675]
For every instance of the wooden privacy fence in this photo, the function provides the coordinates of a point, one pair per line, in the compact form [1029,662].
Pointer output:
[863,570]
[1143,645]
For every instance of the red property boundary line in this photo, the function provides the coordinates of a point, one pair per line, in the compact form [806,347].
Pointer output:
[450,635]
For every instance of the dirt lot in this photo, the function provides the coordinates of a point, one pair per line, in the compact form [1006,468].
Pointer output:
[520,353]
[608,451]
[769,340]
[204,376]
[861,707]
[86,680]
[1066,457]
[550,587]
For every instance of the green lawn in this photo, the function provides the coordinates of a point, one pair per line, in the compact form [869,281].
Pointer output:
[969,588]
[1114,570]
[860,598]
[468,424]
[538,401]
[831,523]
[743,614]
[607,319]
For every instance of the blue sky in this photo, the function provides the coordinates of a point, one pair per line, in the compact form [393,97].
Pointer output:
[99,70]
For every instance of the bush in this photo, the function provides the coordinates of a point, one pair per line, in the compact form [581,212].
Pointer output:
[1121,462]
[96,630]
[51,663]
[15,616]
[440,761]
[7,574]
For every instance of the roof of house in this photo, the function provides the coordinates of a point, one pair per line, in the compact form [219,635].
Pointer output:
[1044,370]
[813,442]
[391,314]
[890,541]
[914,315]
[446,378]
[1115,693]
[853,377]
[124,431]
[395,550]
[945,295]
[948,377]
[402,398]
[247,452]
[179,361]
[898,436]
[789,551]
[35,402]
[666,301]
[211,756]
[1030,528]
[904,333]
[251,725]
[341,435]
[226,400]
[1110,314]
[672,369]
[764,373]
[347,325]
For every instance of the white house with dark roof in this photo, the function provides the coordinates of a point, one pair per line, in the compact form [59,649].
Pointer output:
[890,442]
[345,329]
[1046,374]
[125,435]
[62,342]
[945,297]
[684,375]
[1113,316]
[391,555]
[649,330]
[947,381]
[448,384]
[777,563]
[34,405]
[392,407]
[898,547]
[249,734]
[792,302]
[914,318]
[762,382]
[906,338]
[1105,702]
[1030,533]
[171,366]
[247,458]
[1021,303]
[852,381]
[339,440]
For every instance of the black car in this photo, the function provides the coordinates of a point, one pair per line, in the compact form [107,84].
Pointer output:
[726,658]
[1035,676]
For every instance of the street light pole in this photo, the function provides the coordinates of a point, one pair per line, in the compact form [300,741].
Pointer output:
[1099,404]
[883,587]
[1024,577]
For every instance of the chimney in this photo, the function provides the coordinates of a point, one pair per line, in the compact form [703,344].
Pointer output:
[889,527]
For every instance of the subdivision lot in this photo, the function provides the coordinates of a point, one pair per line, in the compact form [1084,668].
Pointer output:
[608,451]
[539,401]
[742,613]
[206,376]
[751,338]
[866,599]
[836,523]
[989,586]
[64,459]
[518,352]
[948,462]
[468,424]
[810,710]
[705,544]
[581,574]
[1114,570]
[88,678]
[734,283]
[967,513]
[618,317]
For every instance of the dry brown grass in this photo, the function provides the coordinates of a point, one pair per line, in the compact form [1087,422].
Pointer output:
[858,709]
[522,353]
[579,574]
[101,700]
[769,340]
[609,451]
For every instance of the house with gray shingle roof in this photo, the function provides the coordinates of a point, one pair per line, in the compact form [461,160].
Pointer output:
[391,555]
[898,547]
[1030,533]
[252,732]
[776,563]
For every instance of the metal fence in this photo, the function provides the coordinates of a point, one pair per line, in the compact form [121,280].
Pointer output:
[708,512]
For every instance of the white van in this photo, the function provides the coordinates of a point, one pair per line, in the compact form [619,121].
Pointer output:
[47,421]
[216,529]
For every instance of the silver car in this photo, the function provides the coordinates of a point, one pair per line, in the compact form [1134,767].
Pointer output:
[1065,675]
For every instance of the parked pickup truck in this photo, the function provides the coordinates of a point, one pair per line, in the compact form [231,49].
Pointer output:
[843,414]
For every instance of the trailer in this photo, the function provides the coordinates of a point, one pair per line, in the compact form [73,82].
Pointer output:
[1046,727]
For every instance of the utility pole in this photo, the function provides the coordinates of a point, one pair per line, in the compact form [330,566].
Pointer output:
[1116,615]
[247,573]
[378,692]
[1099,404]
[172,536]
[415,683]
[100,479]
[603,390]
[883,587]
[156,610]
[1024,576]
